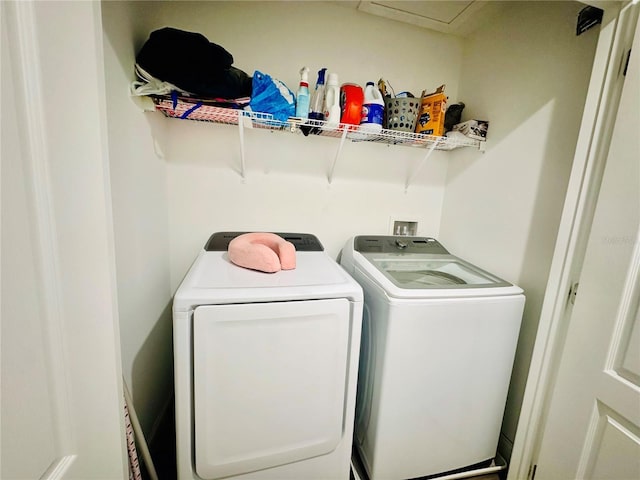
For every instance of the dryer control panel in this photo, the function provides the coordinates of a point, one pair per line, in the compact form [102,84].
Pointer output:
[304,242]
[398,244]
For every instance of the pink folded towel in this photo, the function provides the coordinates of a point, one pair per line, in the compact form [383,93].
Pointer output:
[266,252]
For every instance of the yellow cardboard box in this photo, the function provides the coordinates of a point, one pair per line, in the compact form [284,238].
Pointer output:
[433,108]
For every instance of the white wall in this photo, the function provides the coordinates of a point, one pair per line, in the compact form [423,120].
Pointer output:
[138,182]
[286,192]
[286,187]
[280,37]
[527,72]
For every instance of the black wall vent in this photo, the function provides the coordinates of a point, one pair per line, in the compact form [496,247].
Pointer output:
[587,18]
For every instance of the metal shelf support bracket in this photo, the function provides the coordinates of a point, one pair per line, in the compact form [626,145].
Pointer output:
[411,177]
[338,152]
[242,118]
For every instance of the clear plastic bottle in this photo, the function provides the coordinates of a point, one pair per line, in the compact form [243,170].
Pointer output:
[316,107]
[302,100]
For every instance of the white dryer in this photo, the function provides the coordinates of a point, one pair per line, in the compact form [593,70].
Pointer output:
[438,343]
[266,366]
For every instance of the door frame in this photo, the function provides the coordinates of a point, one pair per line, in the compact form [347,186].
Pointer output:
[63,140]
[601,106]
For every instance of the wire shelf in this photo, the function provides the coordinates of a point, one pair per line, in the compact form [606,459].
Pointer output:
[188,109]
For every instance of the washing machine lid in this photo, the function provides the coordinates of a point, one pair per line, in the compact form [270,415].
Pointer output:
[213,279]
[415,267]
[425,271]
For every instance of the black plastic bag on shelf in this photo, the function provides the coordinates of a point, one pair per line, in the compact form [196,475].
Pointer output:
[452,115]
[194,64]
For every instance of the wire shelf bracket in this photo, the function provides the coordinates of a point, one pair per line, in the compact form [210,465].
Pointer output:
[413,175]
[338,152]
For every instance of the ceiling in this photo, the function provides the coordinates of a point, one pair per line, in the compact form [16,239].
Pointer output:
[458,17]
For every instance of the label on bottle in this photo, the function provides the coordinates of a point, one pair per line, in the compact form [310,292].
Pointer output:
[302,106]
[372,113]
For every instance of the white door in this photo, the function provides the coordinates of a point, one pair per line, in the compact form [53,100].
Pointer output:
[62,405]
[593,424]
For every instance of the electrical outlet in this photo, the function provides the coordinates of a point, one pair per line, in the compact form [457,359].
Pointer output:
[405,228]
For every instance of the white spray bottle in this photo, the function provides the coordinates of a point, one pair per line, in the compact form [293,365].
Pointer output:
[302,100]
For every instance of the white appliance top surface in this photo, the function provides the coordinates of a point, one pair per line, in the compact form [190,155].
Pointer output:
[214,279]
[417,267]
[429,271]
[428,276]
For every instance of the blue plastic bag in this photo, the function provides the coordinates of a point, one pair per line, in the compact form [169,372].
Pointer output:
[270,95]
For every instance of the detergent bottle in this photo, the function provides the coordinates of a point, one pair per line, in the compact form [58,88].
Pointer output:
[351,100]
[302,100]
[372,109]
[332,109]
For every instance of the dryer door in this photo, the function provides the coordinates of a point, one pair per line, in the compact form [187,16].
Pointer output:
[269,383]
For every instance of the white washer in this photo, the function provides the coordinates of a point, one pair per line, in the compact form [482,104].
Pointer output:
[438,343]
[266,366]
